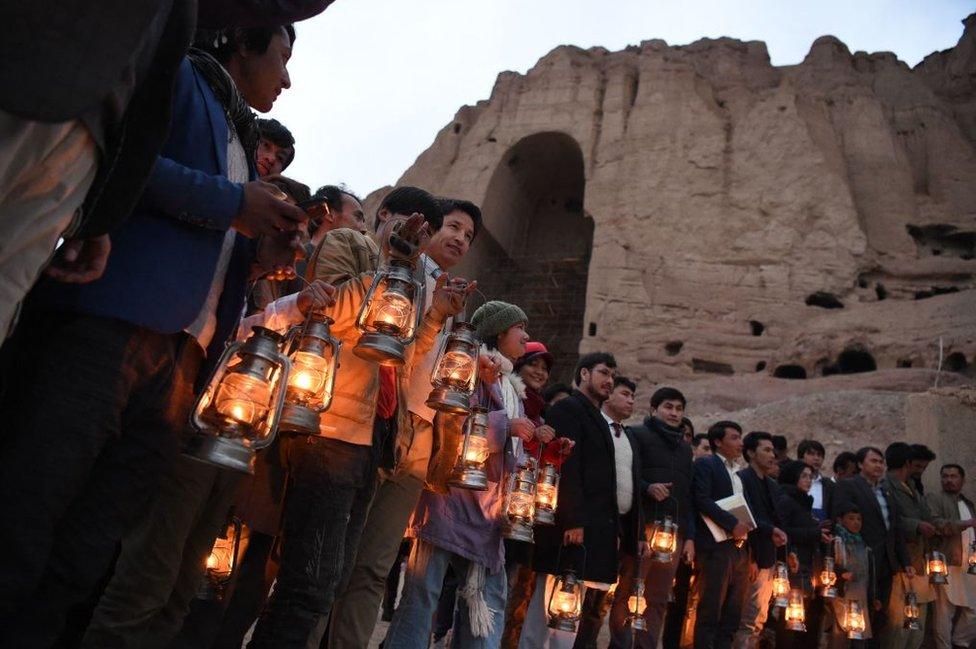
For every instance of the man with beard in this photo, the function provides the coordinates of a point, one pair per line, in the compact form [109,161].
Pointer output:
[665,481]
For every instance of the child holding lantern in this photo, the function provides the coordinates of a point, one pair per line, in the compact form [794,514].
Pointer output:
[848,616]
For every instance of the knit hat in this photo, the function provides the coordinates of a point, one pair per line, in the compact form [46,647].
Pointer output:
[493,318]
[534,350]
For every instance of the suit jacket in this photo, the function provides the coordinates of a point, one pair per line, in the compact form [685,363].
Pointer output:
[887,545]
[912,510]
[709,483]
[588,496]
[761,494]
[828,487]
[163,258]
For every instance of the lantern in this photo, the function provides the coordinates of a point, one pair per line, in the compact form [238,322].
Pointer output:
[912,612]
[520,504]
[828,579]
[636,603]
[390,314]
[456,371]
[314,360]
[936,569]
[972,558]
[781,585]
[546,495]
[795,612]
[565,602]
[854,620]
[664,540]
[469,469]
[221,563]
[238,411]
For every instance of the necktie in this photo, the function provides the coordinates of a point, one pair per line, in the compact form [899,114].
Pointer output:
[617,429]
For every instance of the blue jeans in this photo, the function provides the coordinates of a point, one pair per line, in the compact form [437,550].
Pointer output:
[410,628]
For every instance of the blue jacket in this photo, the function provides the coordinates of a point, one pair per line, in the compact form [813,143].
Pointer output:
[164,256]
[711,482]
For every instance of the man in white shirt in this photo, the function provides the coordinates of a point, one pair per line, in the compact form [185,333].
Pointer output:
[812,453]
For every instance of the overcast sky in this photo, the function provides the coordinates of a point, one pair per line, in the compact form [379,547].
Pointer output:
[373,81]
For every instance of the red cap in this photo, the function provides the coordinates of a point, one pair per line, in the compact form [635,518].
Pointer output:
[534,350]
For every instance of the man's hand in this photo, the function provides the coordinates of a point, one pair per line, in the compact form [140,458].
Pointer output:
[642,548]
[317,296]
[660,491]
[450,295]
[926,529]
[265,211]
[793,562]
[689,551]
[277,255]
[565,446]
[407,237]
[779,537]
[753,571]
[545,434]
[79,261]
[740,531]
[488,369]
[825,536]
[573,536]
[522,428]
[910,572]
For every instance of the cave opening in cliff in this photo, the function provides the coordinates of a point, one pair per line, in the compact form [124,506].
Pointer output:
[541,239]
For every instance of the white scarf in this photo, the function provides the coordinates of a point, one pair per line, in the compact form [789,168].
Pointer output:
[511,385]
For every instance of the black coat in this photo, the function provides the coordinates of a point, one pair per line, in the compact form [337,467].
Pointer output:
[666,457]
[794,508]
[710,482]
[588,496]
[761,494]
[829,486]
[883,541]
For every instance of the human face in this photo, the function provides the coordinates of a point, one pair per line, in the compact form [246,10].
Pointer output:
[848,470]
[535,373]
[763,459]
[851,522]
[873,467]
[671,412]
[703,449]
[805,481]
[730,446]
[814,459]
[270,158]
[511,342]
[597,383]
[351,215]
[449,244]
[952,480]
[917,467]
[262,77]
[620,404]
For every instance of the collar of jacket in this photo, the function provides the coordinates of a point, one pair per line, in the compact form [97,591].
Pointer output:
[671,436]
[797,494]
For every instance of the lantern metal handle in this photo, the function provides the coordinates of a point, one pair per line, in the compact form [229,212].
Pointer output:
[213,381]
[559,557]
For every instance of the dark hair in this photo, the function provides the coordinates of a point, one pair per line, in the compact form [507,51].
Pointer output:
[667,394]
[791,470]
[846,508]
[550,391]
[222,43]
[406,200]
[862,453]
[845,458]
[332,194]
[962,471]
[697,440]
[807,445]
[298,192]
[716,432]
[281,137]
[624,381]
[922,452]
[591,360]
[449,205]
[751,441]
[686,423]
[779,442]
[896,455]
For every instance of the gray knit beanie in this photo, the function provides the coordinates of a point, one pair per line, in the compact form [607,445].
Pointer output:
[493,318]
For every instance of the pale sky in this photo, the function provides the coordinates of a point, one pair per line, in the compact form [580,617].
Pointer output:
[373,81]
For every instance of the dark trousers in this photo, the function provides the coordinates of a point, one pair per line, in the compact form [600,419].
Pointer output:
[250,588]
[657,578]
[671,639]
[393,580]
[809,639]
[721,586]
[596,603]
[92,409]
[330,484]
[879,619]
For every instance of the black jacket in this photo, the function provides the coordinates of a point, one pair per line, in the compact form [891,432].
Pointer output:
[828,486]
[794,508]
[761,494]
[884,542]
[588,496]
[710,482]
[666,457]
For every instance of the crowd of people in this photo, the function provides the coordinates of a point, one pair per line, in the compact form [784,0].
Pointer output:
[181,235]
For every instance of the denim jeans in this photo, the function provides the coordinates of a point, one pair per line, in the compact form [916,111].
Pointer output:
[410,628]
[330,485]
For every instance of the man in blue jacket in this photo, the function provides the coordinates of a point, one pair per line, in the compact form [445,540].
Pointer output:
[102,374]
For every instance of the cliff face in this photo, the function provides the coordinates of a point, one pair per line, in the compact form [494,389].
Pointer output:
[725,216]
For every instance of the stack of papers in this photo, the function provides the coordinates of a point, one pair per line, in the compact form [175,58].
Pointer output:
[737,506]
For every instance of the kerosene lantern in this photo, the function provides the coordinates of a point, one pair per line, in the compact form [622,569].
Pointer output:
[781,585]
[565,602]
[828,579]
[935,568]
[972,558]
[637,603]
[795,615]
[222,562]
[854,620]
[664,540]
[912,612]
[390,313]
[520,503]
[456,370]
[238,412]
[314,356]
[547,495]
[469,469]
